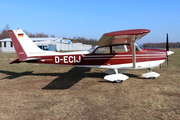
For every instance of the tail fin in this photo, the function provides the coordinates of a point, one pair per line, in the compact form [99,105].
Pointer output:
[23,45]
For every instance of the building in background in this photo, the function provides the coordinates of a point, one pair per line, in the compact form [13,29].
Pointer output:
[48,44]
[64,45]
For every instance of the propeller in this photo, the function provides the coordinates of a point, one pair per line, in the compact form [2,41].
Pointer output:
[167,48]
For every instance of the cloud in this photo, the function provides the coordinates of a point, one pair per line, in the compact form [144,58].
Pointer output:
[80,21]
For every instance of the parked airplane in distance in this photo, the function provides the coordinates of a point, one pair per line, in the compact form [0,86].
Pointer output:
[116,51]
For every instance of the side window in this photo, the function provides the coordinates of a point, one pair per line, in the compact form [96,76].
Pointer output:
[4,44]
[45,47]
[120,48]
[103,50]
[11,44]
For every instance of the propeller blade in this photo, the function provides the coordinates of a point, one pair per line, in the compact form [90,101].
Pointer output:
[167,48]
[167,43]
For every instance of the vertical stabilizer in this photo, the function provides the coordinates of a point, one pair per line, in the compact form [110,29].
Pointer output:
[23,45]
[18,48]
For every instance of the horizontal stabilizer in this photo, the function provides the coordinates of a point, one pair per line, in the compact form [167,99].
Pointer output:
[25,60]
[30,59]
[15,61]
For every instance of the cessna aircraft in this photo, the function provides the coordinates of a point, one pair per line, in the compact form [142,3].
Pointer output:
[116,51]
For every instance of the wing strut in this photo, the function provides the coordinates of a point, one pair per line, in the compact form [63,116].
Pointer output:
[134,51]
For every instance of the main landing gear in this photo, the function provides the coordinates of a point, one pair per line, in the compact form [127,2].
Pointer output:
[117,77]
[150,74]
[118,81]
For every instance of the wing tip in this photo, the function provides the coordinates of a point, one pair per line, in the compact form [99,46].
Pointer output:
[128,32]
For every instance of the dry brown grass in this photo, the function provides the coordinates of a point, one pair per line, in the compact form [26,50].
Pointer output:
[30,91]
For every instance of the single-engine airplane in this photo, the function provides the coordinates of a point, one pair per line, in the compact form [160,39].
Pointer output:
[116,51]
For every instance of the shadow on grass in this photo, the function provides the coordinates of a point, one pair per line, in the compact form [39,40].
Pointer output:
[131,75]
[63,80]
[70,78]
[13,75]
[170,94]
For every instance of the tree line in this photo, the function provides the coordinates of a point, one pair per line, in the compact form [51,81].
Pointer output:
[84,40]
[161,45]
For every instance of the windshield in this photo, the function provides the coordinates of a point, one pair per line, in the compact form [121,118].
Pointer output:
[138,46]
[92,49]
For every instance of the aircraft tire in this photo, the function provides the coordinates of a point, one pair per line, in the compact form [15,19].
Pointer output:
[118,81]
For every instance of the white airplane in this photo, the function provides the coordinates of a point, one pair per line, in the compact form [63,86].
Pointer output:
[116,51]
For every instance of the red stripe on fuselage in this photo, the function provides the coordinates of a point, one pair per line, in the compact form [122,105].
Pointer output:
[156,54]
[144,55]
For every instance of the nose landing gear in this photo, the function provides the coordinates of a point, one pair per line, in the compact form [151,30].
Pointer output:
[150,74]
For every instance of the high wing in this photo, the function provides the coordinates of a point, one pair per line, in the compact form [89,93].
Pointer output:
[122,37]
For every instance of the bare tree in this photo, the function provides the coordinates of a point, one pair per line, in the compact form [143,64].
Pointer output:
[41,35]
[52,36]
[5,33]
[84,40]
[34,35]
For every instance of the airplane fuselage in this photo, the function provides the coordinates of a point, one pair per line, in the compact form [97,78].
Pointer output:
[145,58]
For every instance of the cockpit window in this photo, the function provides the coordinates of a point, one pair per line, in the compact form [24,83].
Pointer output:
[103,50]
[120,48]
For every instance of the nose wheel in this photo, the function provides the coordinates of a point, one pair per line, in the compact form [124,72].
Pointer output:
[149,70]
[150,74]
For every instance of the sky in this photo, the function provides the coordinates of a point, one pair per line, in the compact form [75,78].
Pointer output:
[93,18]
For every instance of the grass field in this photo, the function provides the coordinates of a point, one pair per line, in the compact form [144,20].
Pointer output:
[36,92]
